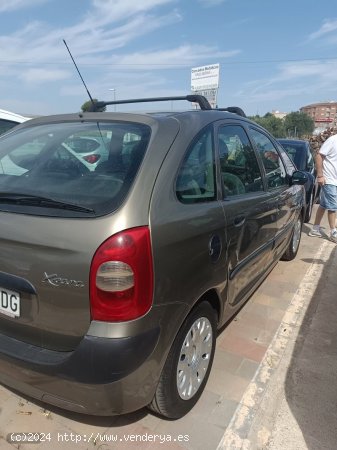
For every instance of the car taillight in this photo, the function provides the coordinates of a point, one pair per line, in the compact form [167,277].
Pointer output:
[121,276]
[92,159]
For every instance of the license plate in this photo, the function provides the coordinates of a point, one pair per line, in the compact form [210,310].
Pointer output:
[9,302]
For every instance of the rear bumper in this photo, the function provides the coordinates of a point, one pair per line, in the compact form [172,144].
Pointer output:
[103,376]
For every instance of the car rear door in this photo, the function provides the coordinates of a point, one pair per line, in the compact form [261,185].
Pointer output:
[188,228]
[250,211]
[278,169]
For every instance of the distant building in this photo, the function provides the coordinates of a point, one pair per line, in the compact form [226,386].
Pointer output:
[324,114]
[278,114]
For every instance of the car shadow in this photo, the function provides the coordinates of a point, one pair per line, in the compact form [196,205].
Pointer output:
[310,385]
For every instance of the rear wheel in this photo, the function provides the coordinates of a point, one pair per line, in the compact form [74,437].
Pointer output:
[188,364]
[295,240]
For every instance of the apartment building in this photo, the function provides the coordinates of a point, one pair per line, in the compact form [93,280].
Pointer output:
[324,114]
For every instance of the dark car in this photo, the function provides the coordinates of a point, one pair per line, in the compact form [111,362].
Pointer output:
[114,282]
[301,154]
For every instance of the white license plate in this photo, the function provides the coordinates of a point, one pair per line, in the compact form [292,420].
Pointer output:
[9,302]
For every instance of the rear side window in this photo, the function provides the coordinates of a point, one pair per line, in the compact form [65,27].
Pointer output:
[196,176]
[273,165]
[89,165]
[240,170]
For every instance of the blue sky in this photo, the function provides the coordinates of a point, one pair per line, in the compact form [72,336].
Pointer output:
[273,55]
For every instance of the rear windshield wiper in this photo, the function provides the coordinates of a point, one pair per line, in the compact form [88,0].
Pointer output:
[36,200]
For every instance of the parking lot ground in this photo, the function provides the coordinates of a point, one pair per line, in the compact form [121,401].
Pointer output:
[229,415]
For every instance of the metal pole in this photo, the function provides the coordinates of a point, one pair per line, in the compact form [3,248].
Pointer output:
[114,91]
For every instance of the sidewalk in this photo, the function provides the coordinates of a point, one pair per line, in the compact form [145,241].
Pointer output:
[291,402]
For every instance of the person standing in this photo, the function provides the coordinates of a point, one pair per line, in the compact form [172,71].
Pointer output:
[326,167]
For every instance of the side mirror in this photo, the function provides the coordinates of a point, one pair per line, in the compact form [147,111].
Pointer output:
[299,177]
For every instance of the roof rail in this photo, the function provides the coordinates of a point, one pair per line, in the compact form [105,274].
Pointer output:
[200,99]
[233,109]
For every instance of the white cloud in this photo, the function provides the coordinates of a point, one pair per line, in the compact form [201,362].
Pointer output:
[97,39]
[307,71]
[329,26]
[87,38]
[115,10]
[38,76]
[293,79]
[12,5]
[184,55]
[210,3]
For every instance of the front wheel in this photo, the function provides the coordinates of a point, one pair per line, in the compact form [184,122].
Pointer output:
[188,364]
[294,243]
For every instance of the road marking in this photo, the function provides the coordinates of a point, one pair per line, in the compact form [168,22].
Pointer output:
[235,436]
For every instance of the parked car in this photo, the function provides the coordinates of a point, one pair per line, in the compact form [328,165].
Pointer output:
[114,282]
[92,150]
[9,119]
[301,154]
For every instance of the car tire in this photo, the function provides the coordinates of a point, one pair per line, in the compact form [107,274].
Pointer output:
[188,364]
[309,207]
[295,240]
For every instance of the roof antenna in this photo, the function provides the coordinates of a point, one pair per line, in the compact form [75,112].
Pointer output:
[71,56]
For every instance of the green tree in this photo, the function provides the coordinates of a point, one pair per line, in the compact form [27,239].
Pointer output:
[88,106]
[298,124]
[273,124]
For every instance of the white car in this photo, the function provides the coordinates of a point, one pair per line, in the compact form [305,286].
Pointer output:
[9,119]
[90,150]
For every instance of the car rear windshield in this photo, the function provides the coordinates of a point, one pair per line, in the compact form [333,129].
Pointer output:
[70,169]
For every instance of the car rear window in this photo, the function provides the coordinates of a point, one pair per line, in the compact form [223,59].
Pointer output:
[90,166]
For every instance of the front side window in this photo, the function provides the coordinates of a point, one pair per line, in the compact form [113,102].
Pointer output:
[196,176]
[70,168]
[273,165]
[240,171]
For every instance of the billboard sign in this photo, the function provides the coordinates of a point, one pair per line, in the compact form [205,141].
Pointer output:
[210,94]
[205,77]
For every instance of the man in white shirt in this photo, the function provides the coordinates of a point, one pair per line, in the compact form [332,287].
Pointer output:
[326,166]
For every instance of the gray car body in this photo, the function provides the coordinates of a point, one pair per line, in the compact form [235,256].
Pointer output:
[54,351]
